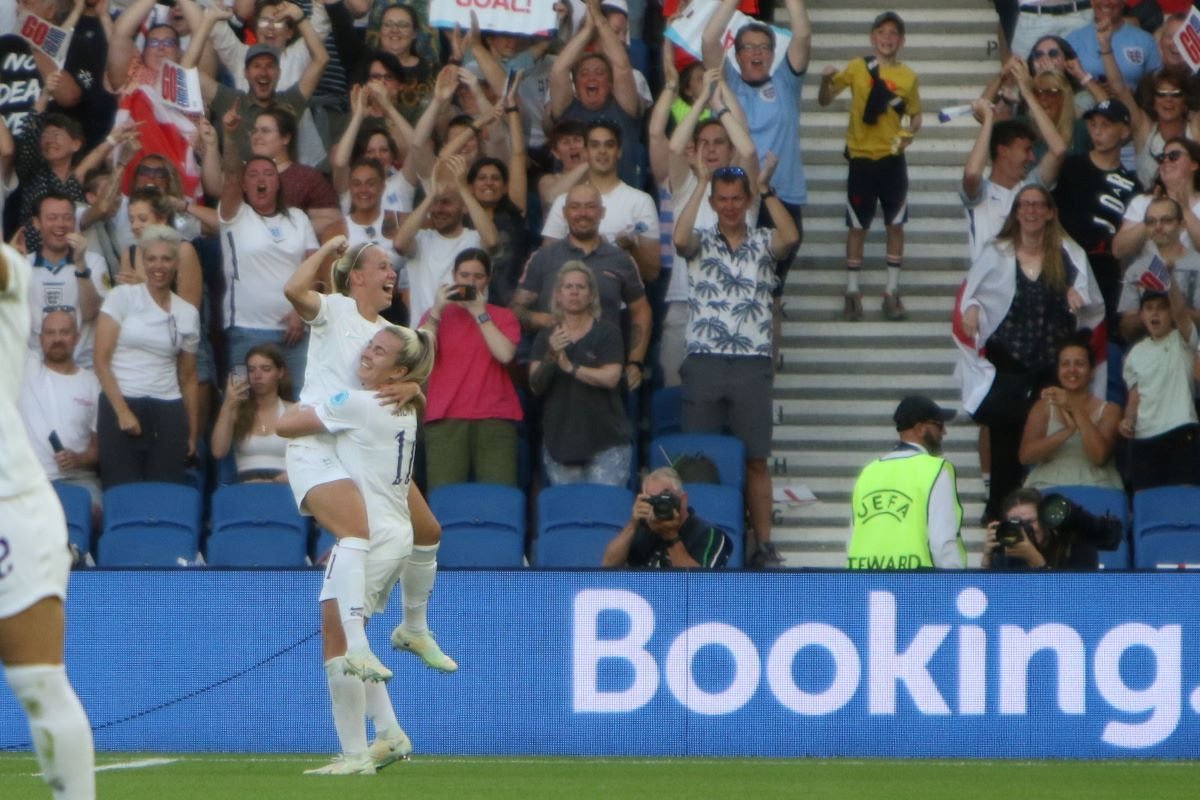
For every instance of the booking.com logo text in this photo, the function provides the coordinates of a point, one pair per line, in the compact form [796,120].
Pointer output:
[1150,710]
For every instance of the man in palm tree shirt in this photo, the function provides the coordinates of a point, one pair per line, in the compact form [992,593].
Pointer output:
[727,374]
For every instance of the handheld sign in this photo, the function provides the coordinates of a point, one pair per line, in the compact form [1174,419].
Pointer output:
[45,36]
[1187,39]
[525,17]
[180,87]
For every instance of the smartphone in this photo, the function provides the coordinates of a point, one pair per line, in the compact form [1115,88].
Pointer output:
[512,74]
[56,443]
[462,292]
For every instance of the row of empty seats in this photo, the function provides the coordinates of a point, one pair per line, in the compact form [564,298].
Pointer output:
[1163,531]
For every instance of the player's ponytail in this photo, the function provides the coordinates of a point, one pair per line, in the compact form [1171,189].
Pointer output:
[347,264]
[416,356]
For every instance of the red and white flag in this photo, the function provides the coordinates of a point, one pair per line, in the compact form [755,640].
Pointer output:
[165,131]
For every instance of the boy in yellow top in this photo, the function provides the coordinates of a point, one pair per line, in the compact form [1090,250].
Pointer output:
[882,92]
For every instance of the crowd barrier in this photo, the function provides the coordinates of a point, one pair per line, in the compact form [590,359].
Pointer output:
[599,663]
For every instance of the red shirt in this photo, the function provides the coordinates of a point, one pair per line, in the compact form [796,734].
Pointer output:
[467,382]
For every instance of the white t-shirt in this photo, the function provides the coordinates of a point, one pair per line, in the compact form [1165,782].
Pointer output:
[64,404]
[144,361]
[19,469]
[187,225]
[377,449]
[397,194]
[433,265]
[61,288]
[624,208]
[1135,211]
[373,232]
[1161,371]
[260,254]
[338,334]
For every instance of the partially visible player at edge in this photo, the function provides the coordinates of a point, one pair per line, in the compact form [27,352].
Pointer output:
[34,564]
[376,445]
[340,325]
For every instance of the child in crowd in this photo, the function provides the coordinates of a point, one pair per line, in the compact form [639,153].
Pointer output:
[882,92]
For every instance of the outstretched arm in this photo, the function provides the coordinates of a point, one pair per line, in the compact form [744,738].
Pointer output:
[298,289]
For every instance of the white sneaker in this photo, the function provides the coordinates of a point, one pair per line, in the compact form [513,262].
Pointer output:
[384,751]
[365,665]
[423,645]
[342,765]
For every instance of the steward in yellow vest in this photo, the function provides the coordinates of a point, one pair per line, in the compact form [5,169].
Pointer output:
[905,509]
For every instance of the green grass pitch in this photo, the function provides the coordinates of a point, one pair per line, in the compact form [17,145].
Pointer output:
[232,777]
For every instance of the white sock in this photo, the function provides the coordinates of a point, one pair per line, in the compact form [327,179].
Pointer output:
[61,734]
[416,580]
[346,693]
[347,578]
[379,709]
[852,270]
[893,279]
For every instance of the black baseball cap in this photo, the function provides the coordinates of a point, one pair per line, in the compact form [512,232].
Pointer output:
[1111,110]
[889,16]
[916,409]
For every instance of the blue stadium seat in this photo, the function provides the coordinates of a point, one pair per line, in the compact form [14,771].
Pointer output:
[77,508]
[1170,512]
[724,507]
[149,525]
[256,525]
[726,452]
[320,545]
[1100,501]
[576,522]
[666,411]
[483,525]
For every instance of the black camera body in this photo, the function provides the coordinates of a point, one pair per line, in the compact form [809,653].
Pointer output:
[1013,530]
[664,505]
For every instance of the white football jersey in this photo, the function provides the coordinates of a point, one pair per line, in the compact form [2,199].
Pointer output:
[19,468]
[337,336]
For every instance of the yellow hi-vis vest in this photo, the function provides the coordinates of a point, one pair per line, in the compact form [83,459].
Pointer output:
[890,510]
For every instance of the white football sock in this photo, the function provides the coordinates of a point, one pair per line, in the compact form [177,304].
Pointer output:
[61,734]
[379,708]
[852,270]
[346,693]
[416,582]
[347,578]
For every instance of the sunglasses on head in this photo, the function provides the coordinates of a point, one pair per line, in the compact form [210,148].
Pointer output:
[1170,155]
[729,172]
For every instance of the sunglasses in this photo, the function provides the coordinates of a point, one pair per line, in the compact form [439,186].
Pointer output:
[1033,204]
[729,172]
[163,44]
[1053,52]
[1049,91]
[154,172]
[1168,93]
[1170,155]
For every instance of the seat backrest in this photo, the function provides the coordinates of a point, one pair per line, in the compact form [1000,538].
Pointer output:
[1165,508]
[1178,549]
[479,505]
[77,508]
[583,505]
[256,506]
[666,411]
[572,546]
[724,507]
[154,506]
[257,547]
[727,452]
[131,546]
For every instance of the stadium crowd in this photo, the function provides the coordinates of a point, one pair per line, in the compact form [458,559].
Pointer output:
[527,190]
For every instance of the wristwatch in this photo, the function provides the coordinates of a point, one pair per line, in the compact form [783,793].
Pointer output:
[484,317]
[84,273]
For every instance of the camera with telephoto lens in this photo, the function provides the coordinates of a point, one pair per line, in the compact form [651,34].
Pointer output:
[1013,530]
[462,292]
[664,505]
[1067,520]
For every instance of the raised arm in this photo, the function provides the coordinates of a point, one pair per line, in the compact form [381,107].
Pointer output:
[786,235]
[316,49]
[518,172]
[298,289]
[231,169]
[712,48]
[1056,147]
[480,219]
[122,48]
[972,176]
[687,243]
[727,109]
[562,90]
[406,237]
[212,15]
[339,157]
[801,45]
[624,87]
[489,65]
[657,146]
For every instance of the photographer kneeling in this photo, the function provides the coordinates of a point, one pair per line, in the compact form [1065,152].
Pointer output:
[1049,532]
[663,532]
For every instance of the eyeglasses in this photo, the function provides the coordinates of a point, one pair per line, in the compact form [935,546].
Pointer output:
[155,44]
[395,25]
[1033,204]
[755,48]
[729,172]
[154,172]
[381,76]
[1170,155]
[1048,91]
[1168,93]
[1153,221]
[274,23]
[1053,52]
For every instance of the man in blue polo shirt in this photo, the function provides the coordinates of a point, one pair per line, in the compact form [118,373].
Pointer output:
[771,102]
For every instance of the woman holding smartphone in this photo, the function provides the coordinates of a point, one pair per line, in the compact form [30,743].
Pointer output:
[256,396]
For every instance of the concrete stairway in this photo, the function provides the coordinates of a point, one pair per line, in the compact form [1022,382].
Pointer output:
[840,381]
